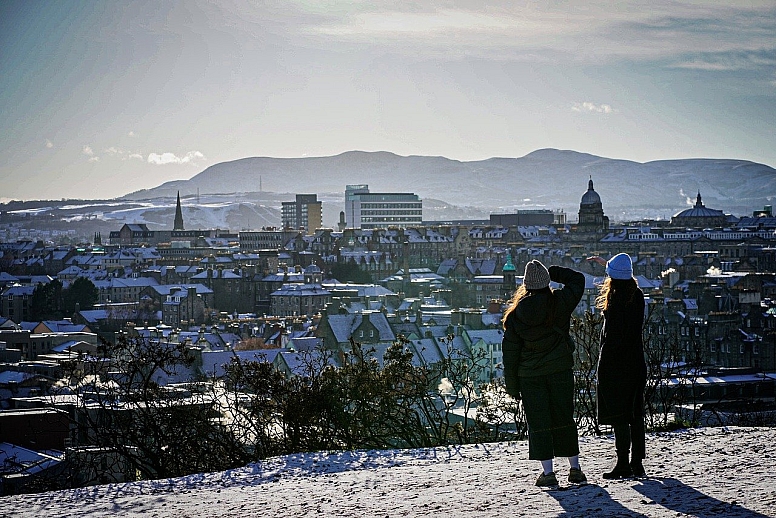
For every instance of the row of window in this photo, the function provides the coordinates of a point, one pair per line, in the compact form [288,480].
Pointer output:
[390,206]
[303,301]
[388,219]
[725,348]
[409,212]
[684,331]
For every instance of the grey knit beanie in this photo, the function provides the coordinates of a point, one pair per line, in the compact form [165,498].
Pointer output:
[536,276]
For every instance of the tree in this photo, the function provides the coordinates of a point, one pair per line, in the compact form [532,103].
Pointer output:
[161,431]
[46,301]
[586,331]
[81,293]
[349,271]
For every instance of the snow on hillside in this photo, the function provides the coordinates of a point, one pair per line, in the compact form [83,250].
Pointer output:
[547,178]
[210,212]
[726,472]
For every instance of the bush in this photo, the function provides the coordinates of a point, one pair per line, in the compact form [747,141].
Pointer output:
[334,401]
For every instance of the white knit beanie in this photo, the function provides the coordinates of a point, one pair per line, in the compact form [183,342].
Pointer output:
[620,267]
[536,276]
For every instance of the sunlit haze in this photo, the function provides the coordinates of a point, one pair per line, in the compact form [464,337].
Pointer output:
[98,99]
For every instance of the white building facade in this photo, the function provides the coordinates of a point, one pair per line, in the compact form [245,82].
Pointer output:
[364,209]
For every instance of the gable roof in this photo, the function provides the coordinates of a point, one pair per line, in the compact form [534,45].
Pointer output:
[7,323]
[489,336]
[17,290]
[7,278]
[426,351]
[61,326]
[297,362]
[343,326]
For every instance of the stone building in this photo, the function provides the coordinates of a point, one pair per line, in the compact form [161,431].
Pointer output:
[591,212]
[699,216]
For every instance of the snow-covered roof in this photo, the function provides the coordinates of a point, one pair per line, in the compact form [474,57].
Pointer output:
[489,336]
[7,377]
[343,326]
[213,362]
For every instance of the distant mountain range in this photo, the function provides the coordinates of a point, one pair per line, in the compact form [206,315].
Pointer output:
[547,178]
[247,193]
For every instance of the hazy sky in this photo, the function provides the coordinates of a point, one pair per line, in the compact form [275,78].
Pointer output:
[98,99]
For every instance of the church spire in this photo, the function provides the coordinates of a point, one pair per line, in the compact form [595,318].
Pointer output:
[178,224]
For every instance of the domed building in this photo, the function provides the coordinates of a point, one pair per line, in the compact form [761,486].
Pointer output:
[591,212]
[699,216]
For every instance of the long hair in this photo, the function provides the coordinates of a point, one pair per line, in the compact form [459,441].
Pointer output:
[610,286]
[520,293]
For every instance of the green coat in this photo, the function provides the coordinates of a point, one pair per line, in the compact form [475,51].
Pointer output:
[534,346]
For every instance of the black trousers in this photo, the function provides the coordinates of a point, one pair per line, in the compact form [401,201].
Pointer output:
[629,437]
[548,402]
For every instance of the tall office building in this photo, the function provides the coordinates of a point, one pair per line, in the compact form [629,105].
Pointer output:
[364,209]
[303,214]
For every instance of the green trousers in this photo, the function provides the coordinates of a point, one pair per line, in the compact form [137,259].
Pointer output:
[548,402]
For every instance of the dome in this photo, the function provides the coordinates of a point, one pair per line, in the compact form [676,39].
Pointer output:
[700,211]
[590,197]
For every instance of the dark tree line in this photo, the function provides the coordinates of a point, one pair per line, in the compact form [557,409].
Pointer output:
[53,301]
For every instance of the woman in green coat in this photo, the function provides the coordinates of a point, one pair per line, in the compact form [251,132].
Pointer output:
[538,364]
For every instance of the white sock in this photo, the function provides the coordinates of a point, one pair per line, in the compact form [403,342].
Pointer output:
[574,461]
[547,466]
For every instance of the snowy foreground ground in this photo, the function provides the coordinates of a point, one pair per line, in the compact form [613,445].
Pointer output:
[700,472]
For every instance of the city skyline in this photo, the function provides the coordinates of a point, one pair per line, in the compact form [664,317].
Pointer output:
[101,99]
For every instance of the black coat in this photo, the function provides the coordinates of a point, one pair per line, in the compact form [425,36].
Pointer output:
[621,366]
[532,346]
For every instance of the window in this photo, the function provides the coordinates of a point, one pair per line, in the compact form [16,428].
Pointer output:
[741,349]
[755,349]
[713,347]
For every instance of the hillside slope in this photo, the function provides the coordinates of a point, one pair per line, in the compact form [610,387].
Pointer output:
[726,472]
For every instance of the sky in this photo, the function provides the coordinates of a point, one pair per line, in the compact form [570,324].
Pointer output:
[102,98]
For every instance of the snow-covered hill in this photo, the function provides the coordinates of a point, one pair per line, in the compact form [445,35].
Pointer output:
[726,472]
[248,193]
[547,178]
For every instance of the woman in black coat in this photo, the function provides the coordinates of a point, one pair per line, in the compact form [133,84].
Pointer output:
[538,364]
[622,371]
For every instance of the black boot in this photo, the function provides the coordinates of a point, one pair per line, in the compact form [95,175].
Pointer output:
[637,467]
[621,470]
